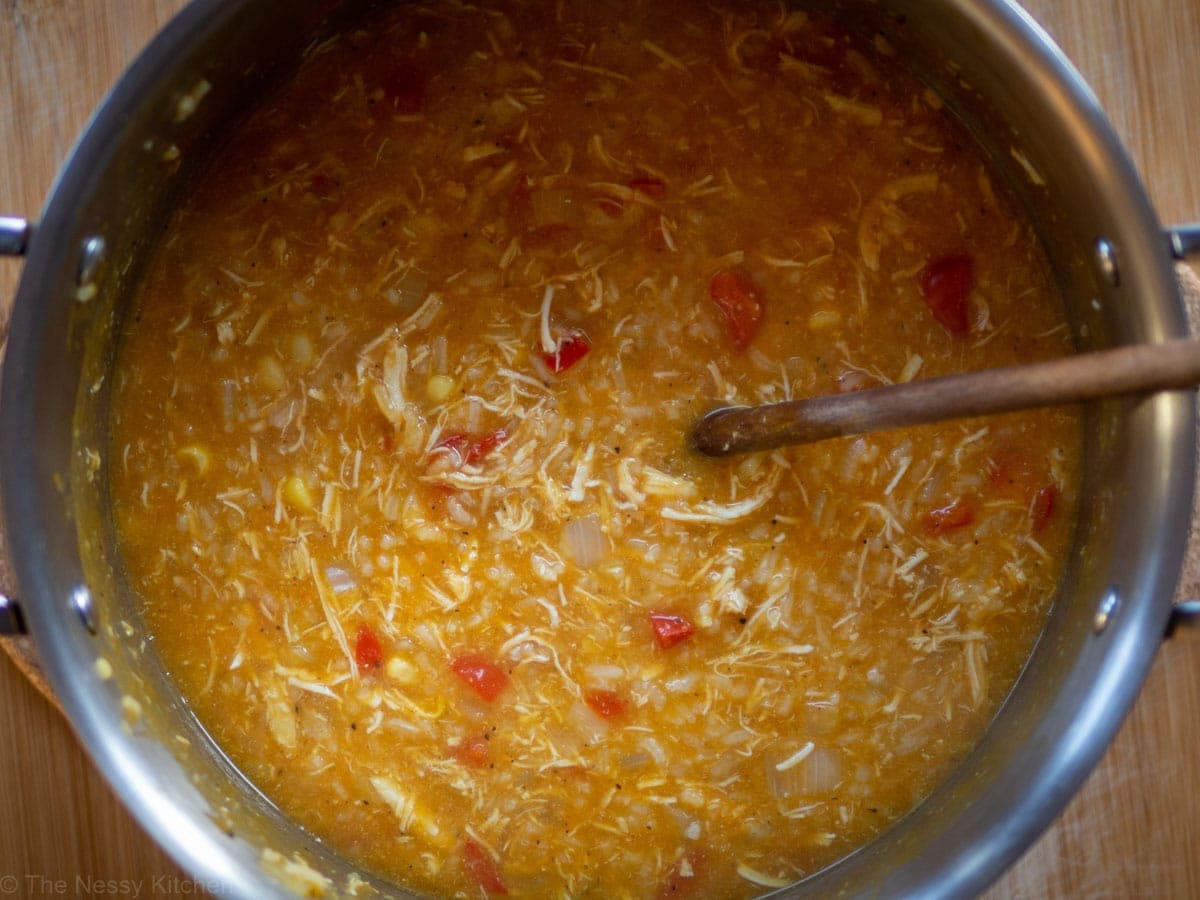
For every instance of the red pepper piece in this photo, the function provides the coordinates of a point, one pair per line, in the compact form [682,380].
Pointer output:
[571,349]
[481,447]
[946,284]
[670,629]
[741,305]
[606,704]
[482,675]
[471,450]
[651,187]
[1042,511]
[482,868]
[958,513]
[368,652]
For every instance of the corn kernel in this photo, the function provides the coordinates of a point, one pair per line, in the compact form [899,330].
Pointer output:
[302,349]
[196,455]
[297,495]
[270,374]
[131,709]
[824,319]
[439,387]
[401,671]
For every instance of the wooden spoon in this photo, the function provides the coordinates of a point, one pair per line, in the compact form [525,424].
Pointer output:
[1131,369]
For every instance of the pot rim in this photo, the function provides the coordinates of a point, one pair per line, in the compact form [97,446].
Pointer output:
[1053,775]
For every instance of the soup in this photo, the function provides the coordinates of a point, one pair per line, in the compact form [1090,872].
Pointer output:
[400,468]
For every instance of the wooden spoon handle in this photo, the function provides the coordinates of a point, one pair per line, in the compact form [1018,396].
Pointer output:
[1131,369]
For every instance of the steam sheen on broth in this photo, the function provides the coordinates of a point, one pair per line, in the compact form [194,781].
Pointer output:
[399,460]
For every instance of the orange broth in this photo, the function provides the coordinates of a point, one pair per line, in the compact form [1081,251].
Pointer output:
[399,448]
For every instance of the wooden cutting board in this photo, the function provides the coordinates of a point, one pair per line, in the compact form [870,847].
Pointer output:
[1134,830]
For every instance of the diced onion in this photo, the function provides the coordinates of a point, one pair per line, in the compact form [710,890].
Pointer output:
[340,580]
[603,672]
[637,760]
[586,724]
[819,772]
[409,291]
[585,541]
[654,748]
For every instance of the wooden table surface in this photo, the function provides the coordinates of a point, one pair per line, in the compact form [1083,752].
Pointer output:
[1134,830]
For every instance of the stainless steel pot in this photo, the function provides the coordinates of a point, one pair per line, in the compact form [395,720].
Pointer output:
[1044,130]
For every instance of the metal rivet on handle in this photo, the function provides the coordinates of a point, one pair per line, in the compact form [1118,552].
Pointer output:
[81,602]
[14,236]
[11,620]
[1109,604]
[91,254]
[1106,258]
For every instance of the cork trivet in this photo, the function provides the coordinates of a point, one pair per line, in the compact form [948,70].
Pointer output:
[1189,578]
[20,649]
[23,653]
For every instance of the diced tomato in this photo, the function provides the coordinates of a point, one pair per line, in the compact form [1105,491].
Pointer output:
[670,629]
[606,704]
[470,450]
[651,187]
[482,868]
[481,674]
[481,447]
[685,878]
[1043,507]
[368,652]
[946,284]
[740,303]
[473,752]
[571,349]
[959,513]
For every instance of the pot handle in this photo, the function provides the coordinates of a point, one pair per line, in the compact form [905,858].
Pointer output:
[14,235]
[1185,241]
[14,238]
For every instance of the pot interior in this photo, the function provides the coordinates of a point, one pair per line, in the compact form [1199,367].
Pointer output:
[163,124]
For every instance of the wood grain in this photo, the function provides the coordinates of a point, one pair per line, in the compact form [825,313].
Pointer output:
[1134,830]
